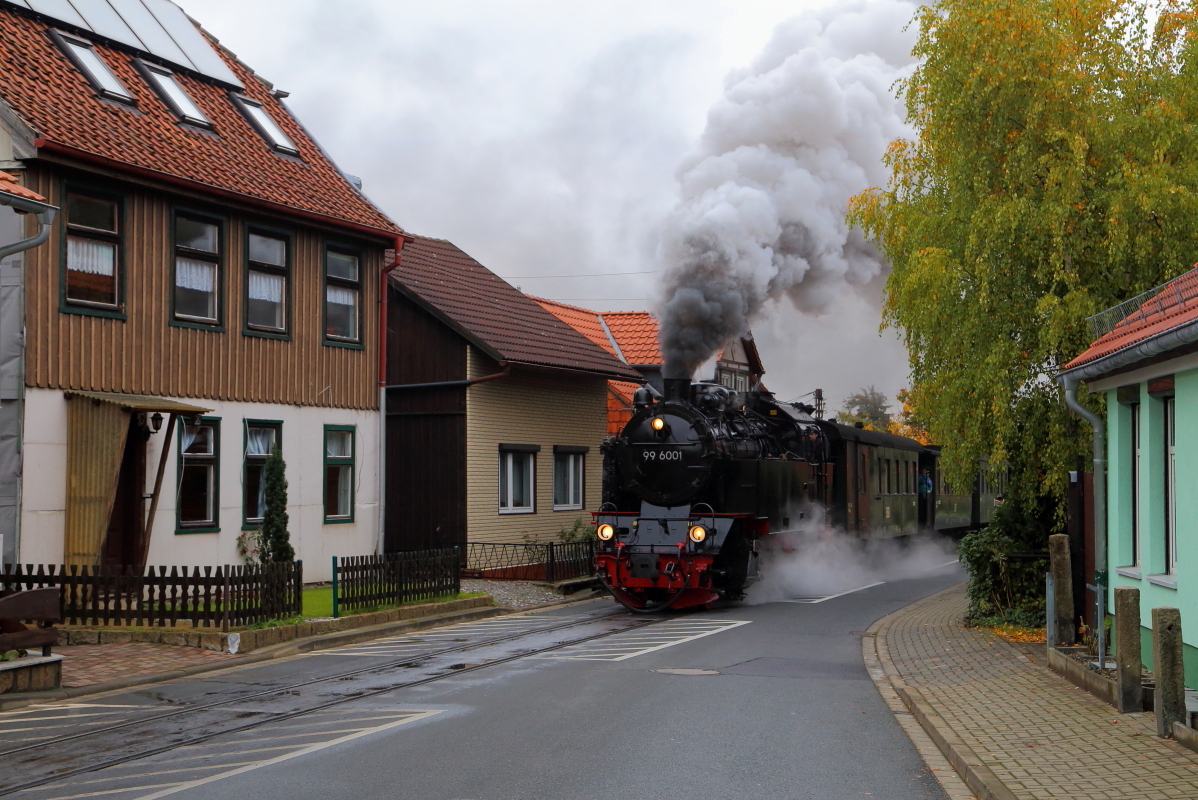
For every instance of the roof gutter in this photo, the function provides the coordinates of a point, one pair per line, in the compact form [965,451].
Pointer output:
[197,186]
[1148,348]
[507,370]
[45,216]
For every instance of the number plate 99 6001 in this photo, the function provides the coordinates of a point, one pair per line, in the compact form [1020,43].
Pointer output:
[662,455]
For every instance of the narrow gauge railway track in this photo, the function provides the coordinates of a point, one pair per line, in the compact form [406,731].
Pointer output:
[270,718]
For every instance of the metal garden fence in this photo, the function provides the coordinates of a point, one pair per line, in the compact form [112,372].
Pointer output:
[525,561]
[207,597]
[365,582]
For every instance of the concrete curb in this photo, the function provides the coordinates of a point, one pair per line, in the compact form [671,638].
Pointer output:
[980,779]
[294,647]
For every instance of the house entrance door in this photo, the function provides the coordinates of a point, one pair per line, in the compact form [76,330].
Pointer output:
[124,543]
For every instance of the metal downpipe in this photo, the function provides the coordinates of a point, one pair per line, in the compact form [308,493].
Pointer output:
[44,218]
[1096,424]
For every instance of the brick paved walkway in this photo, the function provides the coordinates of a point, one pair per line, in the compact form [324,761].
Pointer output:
[85,664]
[1042,736]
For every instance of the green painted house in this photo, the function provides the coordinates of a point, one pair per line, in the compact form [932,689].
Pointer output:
[1145,361]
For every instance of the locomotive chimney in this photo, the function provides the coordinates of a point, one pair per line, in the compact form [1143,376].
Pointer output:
[678,389]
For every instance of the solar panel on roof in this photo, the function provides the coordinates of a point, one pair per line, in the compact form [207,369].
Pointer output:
[103,19]
[59,9]
[207,61]
[157,27]
[151,31]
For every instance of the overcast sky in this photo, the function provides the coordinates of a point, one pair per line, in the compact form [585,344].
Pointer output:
[542,138]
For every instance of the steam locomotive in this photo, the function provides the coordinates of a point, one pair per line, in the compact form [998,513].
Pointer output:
[699,477]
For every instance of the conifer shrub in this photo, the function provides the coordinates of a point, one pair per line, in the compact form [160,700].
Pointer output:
[275,540]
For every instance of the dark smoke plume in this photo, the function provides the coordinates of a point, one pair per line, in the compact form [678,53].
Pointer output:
[763,200]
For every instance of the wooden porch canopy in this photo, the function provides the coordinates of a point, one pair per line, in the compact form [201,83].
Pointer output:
[97,427]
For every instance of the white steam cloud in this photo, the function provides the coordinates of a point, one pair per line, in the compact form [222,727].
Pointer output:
[763,200]
[818,561]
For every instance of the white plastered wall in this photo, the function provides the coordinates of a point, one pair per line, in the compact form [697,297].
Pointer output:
[44,485]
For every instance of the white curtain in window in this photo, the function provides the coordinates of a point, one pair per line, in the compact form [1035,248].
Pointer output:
[341,297]
[266,287]
[85,255]
[337,444]
[259,441]
[187,435]
[197,275]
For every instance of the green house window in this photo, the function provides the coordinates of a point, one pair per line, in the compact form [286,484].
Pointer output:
[199,475]
[260,438]
[339,473]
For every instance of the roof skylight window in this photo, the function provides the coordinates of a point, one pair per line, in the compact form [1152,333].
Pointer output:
[93,67]
[173,94]
[267,128]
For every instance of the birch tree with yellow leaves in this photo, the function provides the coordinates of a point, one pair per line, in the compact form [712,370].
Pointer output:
[1055,173]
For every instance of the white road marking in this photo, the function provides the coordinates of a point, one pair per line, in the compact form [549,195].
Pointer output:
[623,646]
[270,762]
[832,596]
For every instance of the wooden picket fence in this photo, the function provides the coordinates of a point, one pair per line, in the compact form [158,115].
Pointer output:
[207,597]
[365,582]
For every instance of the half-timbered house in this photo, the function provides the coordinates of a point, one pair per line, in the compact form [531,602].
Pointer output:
[209,292]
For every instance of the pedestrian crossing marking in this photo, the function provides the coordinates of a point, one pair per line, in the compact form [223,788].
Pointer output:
[630,644]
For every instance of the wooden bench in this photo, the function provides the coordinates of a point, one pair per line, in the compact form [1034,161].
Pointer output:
[37,605]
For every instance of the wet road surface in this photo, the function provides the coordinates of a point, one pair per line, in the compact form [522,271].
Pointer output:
[586,701]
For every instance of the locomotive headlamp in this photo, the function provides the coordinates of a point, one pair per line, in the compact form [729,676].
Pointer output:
[697,533]
[605,532]
[657,423]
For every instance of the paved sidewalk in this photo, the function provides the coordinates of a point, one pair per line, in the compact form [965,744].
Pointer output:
[1016,723]
[86,664]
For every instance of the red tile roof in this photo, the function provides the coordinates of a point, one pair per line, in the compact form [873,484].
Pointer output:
[497,317]
[582,320]
[56,101]
[636,334]
[10,185]
[619,405]
[1173,306]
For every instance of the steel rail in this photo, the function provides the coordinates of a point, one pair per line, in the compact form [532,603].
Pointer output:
[321,707]
[276,690]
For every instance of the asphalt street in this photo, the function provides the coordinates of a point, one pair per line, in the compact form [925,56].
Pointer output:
[583,702]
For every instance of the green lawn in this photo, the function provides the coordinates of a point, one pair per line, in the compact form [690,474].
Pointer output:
[318,601]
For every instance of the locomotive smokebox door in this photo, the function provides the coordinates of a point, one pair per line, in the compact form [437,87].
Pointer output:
[643,565]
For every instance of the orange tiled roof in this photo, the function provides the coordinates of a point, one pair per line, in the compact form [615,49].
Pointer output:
[57,102]
[636,334]
[582,320]
[10,185]
[619,405]
[1173,306]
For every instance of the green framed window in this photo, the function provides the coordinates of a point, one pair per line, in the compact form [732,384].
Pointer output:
[260,437]
[342,295]
[198,506]
[339,463]
[267,286]
[198,241]
[93,252]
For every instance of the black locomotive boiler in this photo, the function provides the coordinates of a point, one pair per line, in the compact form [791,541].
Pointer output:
[693,483]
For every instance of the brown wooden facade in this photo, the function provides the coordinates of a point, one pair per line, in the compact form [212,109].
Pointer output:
[145,353]
[426,430]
